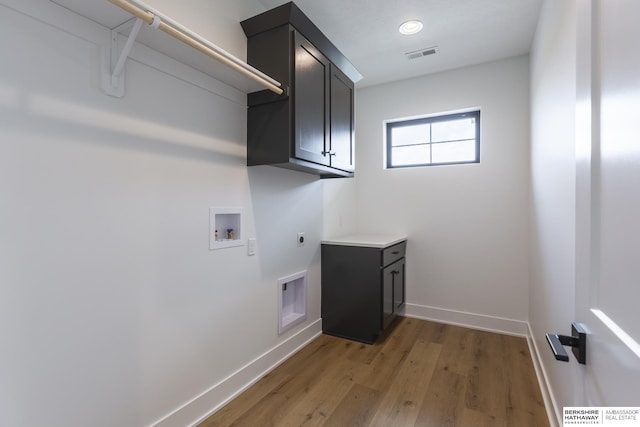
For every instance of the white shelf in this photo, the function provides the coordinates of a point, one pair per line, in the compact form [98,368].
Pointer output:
[111,16]
[177,50]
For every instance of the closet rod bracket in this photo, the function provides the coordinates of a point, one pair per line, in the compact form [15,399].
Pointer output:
[113,80]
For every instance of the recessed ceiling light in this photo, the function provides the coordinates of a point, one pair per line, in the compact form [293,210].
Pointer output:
[410,27]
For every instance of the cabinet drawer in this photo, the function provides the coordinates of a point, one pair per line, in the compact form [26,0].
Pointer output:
[393,253]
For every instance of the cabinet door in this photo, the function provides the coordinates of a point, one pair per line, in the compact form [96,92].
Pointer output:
[398,285]
[311,102]
[342,129]
[387,295]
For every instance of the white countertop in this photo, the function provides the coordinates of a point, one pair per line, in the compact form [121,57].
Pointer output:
[367,240]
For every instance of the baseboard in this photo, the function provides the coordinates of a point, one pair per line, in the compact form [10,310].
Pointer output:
[543,380]
[470,320]
[202,406]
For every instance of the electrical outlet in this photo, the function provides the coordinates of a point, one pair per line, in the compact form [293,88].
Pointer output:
[300,239]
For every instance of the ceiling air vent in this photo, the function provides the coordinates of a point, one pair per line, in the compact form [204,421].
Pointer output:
[422,52]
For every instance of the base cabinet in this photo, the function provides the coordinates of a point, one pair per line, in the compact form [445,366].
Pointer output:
[363,289]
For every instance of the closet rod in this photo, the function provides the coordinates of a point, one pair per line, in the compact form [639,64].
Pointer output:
[174,29]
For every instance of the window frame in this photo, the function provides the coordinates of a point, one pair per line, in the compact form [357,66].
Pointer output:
[391,124]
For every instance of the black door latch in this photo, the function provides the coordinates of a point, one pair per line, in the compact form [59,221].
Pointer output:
[577,341]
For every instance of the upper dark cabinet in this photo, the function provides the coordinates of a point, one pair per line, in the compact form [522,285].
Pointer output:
[310,128]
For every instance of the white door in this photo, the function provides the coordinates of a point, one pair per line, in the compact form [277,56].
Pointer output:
[608,199]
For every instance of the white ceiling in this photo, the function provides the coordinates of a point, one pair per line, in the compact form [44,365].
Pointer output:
[466,32]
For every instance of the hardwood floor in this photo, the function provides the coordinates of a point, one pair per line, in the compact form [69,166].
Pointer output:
[422,374]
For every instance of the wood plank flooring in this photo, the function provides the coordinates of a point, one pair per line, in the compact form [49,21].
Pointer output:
[422,374]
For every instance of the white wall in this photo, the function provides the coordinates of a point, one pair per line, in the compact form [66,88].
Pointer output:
[113,310]
[552,205]
[339,207]
[467,224]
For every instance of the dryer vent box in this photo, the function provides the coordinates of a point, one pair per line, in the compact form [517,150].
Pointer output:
[292,299]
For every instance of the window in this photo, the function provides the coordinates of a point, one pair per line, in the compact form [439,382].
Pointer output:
[439,140]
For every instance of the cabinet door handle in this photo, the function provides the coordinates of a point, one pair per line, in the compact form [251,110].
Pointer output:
[330,153]
[395,252]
